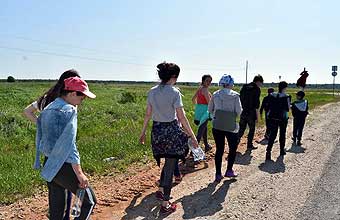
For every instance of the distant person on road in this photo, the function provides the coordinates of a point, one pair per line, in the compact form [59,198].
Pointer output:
[299,112]
[56,141]
[201,99]
[37,106]
[264,106]
[168,140]
[225,106]
[278,108]
[250,99]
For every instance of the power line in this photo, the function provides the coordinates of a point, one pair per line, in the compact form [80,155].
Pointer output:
[103,60]
[49,43]
[70,56]
[218,67]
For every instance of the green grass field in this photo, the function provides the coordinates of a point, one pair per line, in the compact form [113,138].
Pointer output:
[107,126]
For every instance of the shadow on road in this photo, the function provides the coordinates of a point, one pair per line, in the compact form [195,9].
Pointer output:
[243,159]
[296,149]
[273,167]
[205,202]
[148,208]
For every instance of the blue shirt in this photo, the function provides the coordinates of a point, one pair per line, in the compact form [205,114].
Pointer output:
[56,138]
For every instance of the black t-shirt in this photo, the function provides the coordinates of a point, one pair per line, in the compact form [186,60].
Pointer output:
[250,97]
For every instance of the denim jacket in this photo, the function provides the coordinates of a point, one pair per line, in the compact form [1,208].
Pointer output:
[56,138]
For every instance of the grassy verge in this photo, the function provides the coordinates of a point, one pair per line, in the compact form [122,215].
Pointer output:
[108,127]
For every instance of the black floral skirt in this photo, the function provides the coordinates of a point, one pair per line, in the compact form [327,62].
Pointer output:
[168,140]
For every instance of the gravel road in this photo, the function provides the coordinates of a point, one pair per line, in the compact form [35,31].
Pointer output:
[286,188]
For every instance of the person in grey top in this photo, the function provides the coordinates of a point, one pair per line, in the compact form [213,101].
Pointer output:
[164,100]
[168,139]
[225,106]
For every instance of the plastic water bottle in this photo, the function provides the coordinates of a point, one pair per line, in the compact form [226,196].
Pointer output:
[78,201]
[198,153]
[109,159]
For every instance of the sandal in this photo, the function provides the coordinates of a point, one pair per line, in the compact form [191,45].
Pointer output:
[170,208]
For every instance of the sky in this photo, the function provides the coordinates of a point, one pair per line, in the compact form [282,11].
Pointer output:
[126,39]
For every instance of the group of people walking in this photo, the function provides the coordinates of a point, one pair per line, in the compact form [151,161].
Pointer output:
[171,132]
[171,129]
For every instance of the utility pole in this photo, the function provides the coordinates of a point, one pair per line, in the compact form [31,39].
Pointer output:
[246,71]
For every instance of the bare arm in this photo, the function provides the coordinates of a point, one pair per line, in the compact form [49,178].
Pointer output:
[29,112]
[206,94]
[194,98]
[185,123]
[83,180]
[147,118]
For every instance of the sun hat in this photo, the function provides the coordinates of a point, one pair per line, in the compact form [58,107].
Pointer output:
[226,80]
[79,85]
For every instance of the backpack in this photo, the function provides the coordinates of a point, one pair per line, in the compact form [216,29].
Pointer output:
[277,107]
[248,96]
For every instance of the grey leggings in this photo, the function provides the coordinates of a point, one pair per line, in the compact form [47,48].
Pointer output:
[203,132]
[166,176]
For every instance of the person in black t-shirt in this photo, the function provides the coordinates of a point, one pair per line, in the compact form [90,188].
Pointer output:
[250,100]
[278,108]
[264,106]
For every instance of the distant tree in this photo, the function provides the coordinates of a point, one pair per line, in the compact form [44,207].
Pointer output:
[10,79]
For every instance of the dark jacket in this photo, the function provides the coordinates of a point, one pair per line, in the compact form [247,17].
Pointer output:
[278,106]
[250,97]
[300,109]
[265,104]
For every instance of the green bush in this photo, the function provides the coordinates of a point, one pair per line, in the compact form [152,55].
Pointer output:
[127,97]
[10,79]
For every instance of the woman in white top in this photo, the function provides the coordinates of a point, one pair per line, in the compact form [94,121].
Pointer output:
[225,106]
[37,106]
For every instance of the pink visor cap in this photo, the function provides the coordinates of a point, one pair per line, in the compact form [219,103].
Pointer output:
[78,85]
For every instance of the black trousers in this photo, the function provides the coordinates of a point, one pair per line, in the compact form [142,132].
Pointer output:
[274,126]
[166,176]
[247,118]
[65,180]
[267,128]
[298,125]
[203,132]
[232,139]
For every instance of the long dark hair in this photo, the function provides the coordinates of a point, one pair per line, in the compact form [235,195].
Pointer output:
[167,70]
[54,91]
[204,77]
